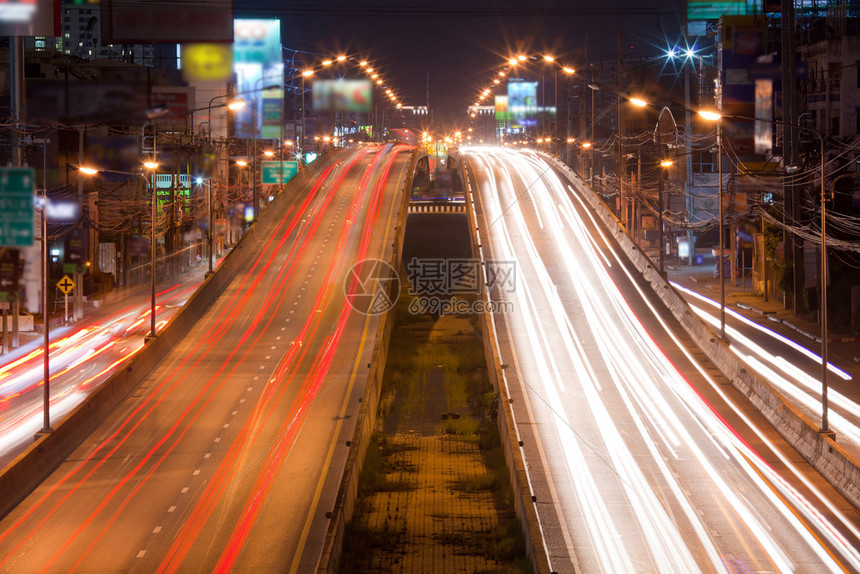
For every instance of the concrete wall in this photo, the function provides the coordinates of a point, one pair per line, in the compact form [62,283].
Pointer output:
[523,497]
[35,464]
[367,414]
[824,454]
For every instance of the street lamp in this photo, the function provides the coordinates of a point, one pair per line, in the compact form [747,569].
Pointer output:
[232,106]
[716,116]
[150,165]
[663,164]
[305,74]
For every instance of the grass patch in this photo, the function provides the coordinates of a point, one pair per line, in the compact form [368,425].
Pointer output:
[464,426]
[378,464]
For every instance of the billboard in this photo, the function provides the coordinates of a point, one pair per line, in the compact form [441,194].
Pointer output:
[520,107]
[259,69]
[207,62]
[55,101]
[27,18]
[166,21]
[345,96]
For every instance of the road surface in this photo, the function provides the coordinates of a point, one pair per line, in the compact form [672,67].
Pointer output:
[228,456]
[640,456]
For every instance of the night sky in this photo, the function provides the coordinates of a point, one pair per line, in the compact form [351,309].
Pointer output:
[460,43]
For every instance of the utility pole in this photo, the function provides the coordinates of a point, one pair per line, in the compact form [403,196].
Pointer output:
[620,210]
[16,60]
[791,141]
[688,181]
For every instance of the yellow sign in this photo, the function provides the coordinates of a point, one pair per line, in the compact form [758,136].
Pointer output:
[207,62]
[66,284]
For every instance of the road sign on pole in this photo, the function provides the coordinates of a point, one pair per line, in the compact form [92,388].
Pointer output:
[278,172]
[16,206]
[66,284]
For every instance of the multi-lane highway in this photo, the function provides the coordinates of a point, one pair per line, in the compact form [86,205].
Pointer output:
[229,454]
[640,456]
[81,358]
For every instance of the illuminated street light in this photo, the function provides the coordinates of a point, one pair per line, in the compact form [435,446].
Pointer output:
[568,70]
[241,163]
[152,165]
[716,116]
[236,105]
[710,115]
[307,73]
[269,153]
[639,102]
[88,170]
[548,58]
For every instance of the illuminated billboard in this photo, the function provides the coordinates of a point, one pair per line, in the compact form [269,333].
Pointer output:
[519,108]
[27,18]
[345,96]
[259,69]
[699,12]
[207,62]
[522,103]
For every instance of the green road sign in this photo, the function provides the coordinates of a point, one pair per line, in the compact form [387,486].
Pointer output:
[16,206]
[278,172]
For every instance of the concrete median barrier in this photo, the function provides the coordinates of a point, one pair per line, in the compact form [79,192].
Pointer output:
[523,497]
[344,506]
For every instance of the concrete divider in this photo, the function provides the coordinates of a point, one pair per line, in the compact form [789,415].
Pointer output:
[523,498]
[823,453]
[20,477]
[344,506]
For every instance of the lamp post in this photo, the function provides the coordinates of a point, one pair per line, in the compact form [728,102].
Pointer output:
[240,163]
[46,390]
[305,74]
[716,116]
[663,164]
[150,165]
[232,106]
[594,87]
[210,230]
